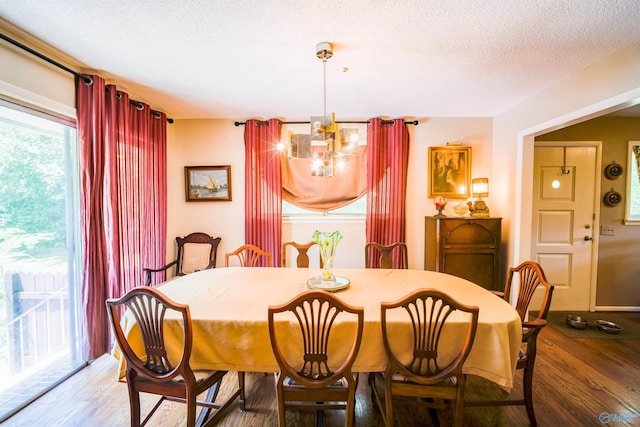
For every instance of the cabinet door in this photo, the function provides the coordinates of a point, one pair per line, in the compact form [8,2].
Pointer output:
[477,267]
[465,247]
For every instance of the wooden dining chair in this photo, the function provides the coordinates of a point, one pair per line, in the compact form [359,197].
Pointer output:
[249,256]
[154,371]
[530,277]
[381,256]
[196,251]
[315,377]
[302,260]
[431,376]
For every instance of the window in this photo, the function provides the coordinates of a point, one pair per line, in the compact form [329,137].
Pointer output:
[358,207]
[632,201]
[39,218]
[340,178]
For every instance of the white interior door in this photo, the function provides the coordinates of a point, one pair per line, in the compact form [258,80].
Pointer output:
[564,216]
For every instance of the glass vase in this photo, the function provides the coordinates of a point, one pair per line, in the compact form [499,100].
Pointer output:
[327,243]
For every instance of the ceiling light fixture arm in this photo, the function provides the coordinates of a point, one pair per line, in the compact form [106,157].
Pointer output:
[324,51]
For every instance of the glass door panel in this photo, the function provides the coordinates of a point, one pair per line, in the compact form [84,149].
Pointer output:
[39,257]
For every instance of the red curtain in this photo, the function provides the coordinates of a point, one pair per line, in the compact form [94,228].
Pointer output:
[263,187]
[387,163]
[122,148]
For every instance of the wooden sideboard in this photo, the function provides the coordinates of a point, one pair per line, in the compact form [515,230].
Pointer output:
[465,247]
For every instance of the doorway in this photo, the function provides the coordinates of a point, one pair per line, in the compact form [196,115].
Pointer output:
[564,216]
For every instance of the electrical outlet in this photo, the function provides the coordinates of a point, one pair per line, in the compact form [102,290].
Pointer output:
[607,230]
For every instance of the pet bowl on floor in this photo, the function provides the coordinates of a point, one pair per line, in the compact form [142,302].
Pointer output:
[608,327]
[576,322]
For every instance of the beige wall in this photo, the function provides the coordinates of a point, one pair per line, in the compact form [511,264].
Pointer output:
[502,146]
[219,142]
[25,78]
[605,86]
[618,267]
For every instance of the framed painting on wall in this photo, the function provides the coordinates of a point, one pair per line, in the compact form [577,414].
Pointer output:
[450,172]
[207,183]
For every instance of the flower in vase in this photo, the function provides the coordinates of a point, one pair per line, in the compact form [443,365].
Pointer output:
[327,243]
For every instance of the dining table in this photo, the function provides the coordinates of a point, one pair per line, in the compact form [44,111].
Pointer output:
[228,308]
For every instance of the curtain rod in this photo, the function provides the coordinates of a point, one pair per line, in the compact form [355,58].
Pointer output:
[384,122]
[87,80]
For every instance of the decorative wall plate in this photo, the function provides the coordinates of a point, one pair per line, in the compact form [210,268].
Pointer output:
[613,171]
[612,198]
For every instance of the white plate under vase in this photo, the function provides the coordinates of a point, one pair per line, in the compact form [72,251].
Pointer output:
[316,282]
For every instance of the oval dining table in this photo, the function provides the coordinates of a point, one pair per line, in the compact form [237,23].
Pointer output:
[230,329]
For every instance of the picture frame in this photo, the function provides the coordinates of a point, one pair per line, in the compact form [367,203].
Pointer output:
[450,172]
[207,183]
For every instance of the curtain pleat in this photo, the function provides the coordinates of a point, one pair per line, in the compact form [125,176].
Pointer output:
[123,201]
[263,187]
[387,165]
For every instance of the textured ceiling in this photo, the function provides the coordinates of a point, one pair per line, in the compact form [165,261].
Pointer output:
[256,58]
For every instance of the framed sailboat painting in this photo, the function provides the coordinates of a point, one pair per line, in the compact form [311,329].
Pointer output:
[207,183]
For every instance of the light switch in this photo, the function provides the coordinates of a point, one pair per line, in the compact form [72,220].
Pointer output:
[607,230]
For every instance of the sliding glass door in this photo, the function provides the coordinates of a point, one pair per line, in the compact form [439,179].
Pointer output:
[39,254]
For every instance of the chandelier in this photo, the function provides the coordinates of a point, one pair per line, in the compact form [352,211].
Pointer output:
[327,142]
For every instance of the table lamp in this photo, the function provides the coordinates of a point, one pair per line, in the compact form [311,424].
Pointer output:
[479,189]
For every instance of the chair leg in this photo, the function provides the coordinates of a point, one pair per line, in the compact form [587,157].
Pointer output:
[350,413]
[241,400]
[134,402]
[388,400]
[319,417]
[282,420]
[527,381]
[458,408]
[191,408]
[372,384]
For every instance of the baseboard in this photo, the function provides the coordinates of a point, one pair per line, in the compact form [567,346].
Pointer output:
[615,308]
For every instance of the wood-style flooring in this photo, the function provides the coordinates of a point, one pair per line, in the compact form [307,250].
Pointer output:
[576,380]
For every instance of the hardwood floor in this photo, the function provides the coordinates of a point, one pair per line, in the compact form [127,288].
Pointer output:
[576,380]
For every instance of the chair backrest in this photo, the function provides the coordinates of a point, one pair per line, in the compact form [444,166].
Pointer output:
[250,256]
[382,256]
[148,307]
[196,251]
[302,260]
[429,310]
[316,313]
[531,276]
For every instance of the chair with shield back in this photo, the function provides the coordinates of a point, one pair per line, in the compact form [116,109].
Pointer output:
[429,373]
[249,256]
[382,256]
[311,375]
[196,251]
[528,276]
[302,259]
[152,368]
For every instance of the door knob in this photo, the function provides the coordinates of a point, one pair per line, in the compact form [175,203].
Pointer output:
[587,238]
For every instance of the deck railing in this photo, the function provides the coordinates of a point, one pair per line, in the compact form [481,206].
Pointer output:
[38,318]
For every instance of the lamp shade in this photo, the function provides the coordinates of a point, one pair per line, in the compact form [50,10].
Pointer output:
[480,187]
